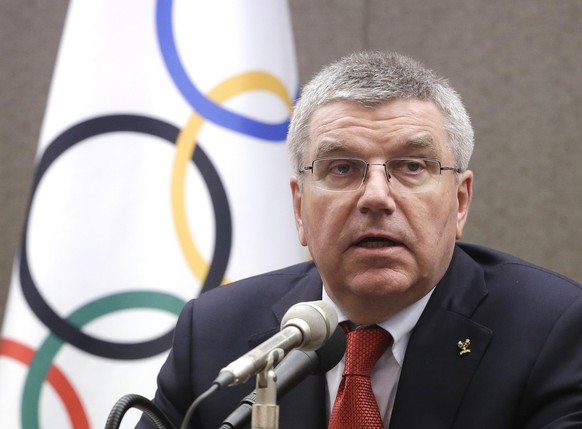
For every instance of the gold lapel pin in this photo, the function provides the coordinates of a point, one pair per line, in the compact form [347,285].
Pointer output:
[464,346]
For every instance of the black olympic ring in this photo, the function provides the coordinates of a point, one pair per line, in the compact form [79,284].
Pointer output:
[132,123]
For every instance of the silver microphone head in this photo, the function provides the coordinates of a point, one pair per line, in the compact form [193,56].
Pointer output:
[317,321]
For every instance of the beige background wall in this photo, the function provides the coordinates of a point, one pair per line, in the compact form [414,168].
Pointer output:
[517,64]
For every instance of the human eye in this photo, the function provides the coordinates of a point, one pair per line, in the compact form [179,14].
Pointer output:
[408,166]
[339,174]
[344,167]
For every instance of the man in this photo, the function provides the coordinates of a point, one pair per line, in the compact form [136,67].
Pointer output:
[479,339]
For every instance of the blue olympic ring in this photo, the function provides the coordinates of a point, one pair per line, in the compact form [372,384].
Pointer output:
[205,107]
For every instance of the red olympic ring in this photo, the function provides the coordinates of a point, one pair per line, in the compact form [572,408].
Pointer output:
[56,379]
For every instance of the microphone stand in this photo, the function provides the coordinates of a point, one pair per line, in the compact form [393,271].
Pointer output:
[265,412]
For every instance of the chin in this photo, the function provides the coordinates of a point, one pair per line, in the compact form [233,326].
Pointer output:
[379,289]
[381,280]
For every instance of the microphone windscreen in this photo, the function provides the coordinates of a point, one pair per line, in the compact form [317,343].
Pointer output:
[317,321]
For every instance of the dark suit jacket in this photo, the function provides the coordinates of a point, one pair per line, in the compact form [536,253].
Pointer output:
[524,368]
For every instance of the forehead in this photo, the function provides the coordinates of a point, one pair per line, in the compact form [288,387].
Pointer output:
[391,126]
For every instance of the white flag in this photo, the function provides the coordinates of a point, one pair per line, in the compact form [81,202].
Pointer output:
[161,173]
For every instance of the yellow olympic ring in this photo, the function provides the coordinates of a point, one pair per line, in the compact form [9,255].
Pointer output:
[186,144]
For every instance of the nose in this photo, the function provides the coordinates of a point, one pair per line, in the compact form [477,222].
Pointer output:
[376,194]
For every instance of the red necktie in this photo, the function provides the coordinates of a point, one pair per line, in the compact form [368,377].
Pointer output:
[355,406]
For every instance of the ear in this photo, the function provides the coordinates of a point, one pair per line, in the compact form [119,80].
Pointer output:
[464,195]
[297,195]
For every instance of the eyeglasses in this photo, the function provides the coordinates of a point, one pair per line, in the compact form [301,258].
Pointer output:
[410,175]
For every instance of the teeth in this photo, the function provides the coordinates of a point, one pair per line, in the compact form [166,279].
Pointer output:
[376,244]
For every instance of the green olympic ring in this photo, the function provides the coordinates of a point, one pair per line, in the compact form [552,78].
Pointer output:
[42,361]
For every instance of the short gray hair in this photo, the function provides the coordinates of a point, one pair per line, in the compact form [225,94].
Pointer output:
[372,78]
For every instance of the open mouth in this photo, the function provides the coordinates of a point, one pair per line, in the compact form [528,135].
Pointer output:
[375,243]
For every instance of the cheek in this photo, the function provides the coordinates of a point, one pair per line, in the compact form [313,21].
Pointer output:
[308,221]
[443,231]
[323,223]
[433,222]
[433,230]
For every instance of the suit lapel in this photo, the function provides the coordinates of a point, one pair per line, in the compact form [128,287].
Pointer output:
[435,374]
[304,406]
[305,288]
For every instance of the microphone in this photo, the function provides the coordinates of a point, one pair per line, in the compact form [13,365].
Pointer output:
[295,367]
[306,326]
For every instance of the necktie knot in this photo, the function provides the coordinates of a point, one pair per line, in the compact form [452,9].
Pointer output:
[364,348]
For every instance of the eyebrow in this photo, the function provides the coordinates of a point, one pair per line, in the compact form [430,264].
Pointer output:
[422,141]
[329,146]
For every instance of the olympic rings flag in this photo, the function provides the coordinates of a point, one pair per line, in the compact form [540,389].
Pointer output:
[161,173]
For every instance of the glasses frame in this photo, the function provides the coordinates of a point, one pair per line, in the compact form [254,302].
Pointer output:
[384,164]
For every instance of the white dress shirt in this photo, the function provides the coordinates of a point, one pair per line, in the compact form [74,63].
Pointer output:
[386,373]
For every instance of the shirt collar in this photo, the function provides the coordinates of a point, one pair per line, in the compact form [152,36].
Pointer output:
[400,325]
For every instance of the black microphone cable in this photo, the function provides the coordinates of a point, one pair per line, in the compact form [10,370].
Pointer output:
[152,411]
[136,401]
[218,383]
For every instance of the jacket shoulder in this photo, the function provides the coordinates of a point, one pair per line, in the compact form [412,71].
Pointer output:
[528,285]
[263,288]
[495,262]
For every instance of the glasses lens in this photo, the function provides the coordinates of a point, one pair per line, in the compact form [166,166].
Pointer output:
[413,174]
[404,175]
[339,174]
